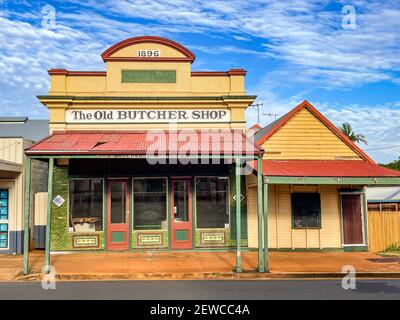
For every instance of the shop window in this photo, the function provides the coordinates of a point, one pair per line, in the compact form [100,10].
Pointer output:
[149,204]
[3,235]
[86,205]
[212,202]
[306,210]
[3,204]
[3,218]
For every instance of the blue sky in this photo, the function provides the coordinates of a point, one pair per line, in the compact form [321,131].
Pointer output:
[293,50]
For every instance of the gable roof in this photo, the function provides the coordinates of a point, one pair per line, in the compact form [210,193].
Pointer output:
[265,133]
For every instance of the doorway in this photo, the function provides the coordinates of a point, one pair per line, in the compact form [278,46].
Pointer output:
[118,215]
[352,217]
[181,213]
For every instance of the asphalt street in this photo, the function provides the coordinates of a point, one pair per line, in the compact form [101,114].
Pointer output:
[204,290]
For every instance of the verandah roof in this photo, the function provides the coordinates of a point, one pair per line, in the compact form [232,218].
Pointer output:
[187,142]
[325,168]
[328,172]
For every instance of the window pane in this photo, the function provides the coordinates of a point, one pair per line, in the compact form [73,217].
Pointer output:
[306,210]
[86,205]
[118,202]
[181,201]
[3,204]
[149,204]
[3,235]
[212,202]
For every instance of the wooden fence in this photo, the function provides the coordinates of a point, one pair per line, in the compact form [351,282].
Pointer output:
[383,226]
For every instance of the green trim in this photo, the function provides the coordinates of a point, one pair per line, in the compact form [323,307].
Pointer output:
[130,187]
[335,181]
[168,210]
[27,213]
[260,215]
[166,98]
[355,248]
[307,250]
[49,205]
[182,235]
[365,216]
[117,236]
[194,212]
[238,216]
[148,76]
[266,267]
[105,187]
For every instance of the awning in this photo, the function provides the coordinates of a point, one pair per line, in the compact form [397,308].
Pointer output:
[151,142]
[328,168]
[327,172]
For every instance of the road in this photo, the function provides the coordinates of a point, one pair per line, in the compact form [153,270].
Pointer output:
[201,290]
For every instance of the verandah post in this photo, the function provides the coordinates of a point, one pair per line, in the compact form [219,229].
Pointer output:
[238,217]
[266,269]
[260,214]
[48,224]
[27,213]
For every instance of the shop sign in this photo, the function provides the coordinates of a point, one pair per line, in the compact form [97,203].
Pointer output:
[146,115]
[58,201]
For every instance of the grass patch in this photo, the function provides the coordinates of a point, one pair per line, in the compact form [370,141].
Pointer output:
[392,250]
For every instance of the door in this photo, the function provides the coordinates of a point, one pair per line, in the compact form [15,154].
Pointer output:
[352,219]
[181,213]
[118,215]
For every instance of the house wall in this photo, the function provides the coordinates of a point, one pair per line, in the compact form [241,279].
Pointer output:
[306,137]
[12,150]
[281,235]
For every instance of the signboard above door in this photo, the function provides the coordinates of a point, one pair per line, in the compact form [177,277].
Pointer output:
[146,115]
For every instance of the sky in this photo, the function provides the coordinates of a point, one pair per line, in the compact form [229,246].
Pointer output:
[342,56]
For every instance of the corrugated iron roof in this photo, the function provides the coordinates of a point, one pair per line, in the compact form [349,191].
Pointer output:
[225,142]
[325,168]
[383,194]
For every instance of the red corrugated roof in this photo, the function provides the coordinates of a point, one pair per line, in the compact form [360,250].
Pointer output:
[325,168]
[222,142]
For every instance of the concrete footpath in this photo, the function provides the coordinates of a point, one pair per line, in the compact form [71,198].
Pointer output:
[198,265]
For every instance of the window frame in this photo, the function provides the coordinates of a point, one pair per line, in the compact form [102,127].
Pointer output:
[319,212]
[104,214]
[228,197]
[167,201]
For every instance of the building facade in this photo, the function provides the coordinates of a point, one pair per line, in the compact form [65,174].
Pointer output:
[149,155]
[16,135]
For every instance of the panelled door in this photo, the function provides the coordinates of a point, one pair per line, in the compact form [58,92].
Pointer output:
[352,219]
[181,213]
[118,215]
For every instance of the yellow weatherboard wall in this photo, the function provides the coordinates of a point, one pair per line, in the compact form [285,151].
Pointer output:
[305,137]
[281,235]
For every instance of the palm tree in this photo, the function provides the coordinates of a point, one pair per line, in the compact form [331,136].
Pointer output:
[348,131]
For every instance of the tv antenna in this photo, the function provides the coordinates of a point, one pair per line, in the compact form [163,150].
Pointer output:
[257,105]
[275,115]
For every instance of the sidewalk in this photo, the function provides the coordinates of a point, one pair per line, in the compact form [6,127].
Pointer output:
[198,265]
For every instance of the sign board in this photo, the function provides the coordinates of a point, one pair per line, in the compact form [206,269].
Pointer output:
[146,115]
[58,201]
